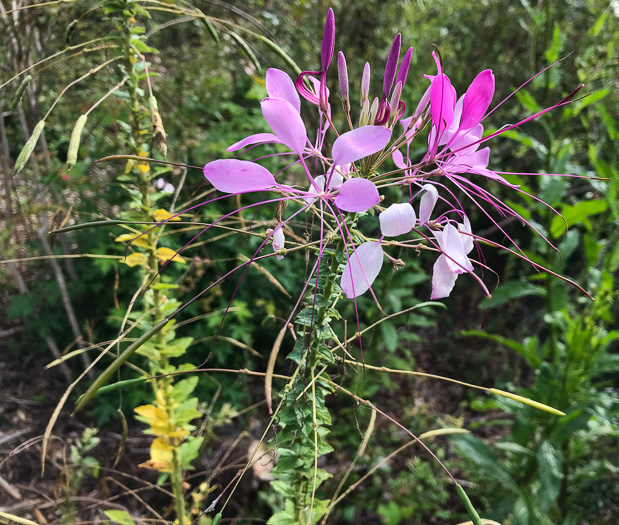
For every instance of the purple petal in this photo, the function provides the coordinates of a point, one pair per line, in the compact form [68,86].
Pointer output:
[237,176]
[357,195]
[285,122]
[442,102]
[443,279]
[463,163]
[280,85]
[328,41]
[359,143]
[258,138]
[397,219]
[477,99]
[404,67]
[428,201]
[392,64]
[398,159]
[450,241]
[362,269]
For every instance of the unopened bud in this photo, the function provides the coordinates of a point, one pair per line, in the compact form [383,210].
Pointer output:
[394,103]
[374,110]
[343,78]
[328,41]
[404,67]
[365,113]
[365,84]
[392,64]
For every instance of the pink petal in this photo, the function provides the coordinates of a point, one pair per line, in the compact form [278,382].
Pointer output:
[279,240]
[280,85]
[398,159]
[467,240]
[237,176]
[452,245]
[442,102]
[258,138]
[463,163]
[362,269]
[285,122]
[359,143]
[428,201]
[464,143]
[477,99]
[397,219]
[443,279]
[357,195]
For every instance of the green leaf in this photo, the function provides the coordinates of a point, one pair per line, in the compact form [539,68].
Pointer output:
[578,213]
[141,46]
[510,291]
[282,518]
[119,516]
[177,347]
[550,472]
[477,451]
[183,388]
[189,450]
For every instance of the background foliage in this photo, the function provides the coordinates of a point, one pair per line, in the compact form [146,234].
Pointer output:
[534,336]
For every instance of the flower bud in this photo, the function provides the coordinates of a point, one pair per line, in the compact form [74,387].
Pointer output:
[328,41]
[374,110]
[365,84]
[343,79]
[404,67]
[365,113]
[392,64]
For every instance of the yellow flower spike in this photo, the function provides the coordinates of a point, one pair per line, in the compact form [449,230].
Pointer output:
[133,239]
[135,259]
[156,417]
[167,254]
[128,166]
[163,215]
[527,401]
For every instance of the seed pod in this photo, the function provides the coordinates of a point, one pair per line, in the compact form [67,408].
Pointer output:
[248,51]
[28,148]
[209,26]
[20,92]
[70,28]
[216,519]
[74,144]
[158,129]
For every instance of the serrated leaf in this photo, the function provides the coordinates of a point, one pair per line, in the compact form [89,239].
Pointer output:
[133,239]
[161,215]
[135,259]
[167,254]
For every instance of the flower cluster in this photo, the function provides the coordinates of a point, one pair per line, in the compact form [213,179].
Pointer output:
[346,178]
